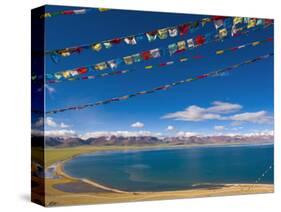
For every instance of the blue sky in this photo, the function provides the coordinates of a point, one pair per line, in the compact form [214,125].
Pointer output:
[239,102]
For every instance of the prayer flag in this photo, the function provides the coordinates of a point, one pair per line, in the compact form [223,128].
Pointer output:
[181,45]
[107,44]
[78,12]
[219,52]
[259,22]
[173,32]
[155,53]
[237,20]
[151,36]
[190,43]
[222,33]
[172,48]
[256,43]
[74,73]
[64,53]
[146,55]
[100,66]
[128,60]
[137,57]
[115,41]
[183,29]
[103,9]
[199,40]
[58,75]
[218,21]
[96,47]
[112,64]
[66,74]
[251,23]
[130,40]
[162,33]
[68,12]
[204,21]
[183,59]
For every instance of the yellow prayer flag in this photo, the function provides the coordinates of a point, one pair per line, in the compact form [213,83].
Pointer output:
[103,9]
[220,52]
[256,43]
[66,74]
[97,47]
[237,20]
[223,33]
[251,23]
[148,67]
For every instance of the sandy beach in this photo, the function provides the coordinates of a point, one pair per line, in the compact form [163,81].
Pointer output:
[67,190]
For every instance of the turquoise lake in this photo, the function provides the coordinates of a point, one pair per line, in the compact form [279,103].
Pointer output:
[175,168]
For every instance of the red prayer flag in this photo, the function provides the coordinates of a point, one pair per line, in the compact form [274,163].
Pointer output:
[268,21]
[234,48]
[82,70]
[146,55]
[215,18]
[202,76]
[78,49]
[68,12]
[199,40]
[162,64]
[115,41]
[183,29]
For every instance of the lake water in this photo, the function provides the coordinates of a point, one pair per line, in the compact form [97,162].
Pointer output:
[174,168]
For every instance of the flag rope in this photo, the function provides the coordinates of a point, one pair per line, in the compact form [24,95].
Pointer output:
[193,24]
[105,65]
[215,73]
[164,33]
[163,64]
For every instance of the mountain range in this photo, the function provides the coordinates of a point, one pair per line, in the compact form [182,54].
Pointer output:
[150,140]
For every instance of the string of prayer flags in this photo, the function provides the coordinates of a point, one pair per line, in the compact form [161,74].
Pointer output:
[72,12]
[163,33]
[172,49]
[74,74]
[165,87]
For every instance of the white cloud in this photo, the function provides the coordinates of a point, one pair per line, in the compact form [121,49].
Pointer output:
[97,134]
[137,125]
[61,133]
[186,134]
[170,128]
[63,125]
[223,107]
[218,111]
[192,113]
[259,117]
[50,122]
[219,128]
[196,113]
